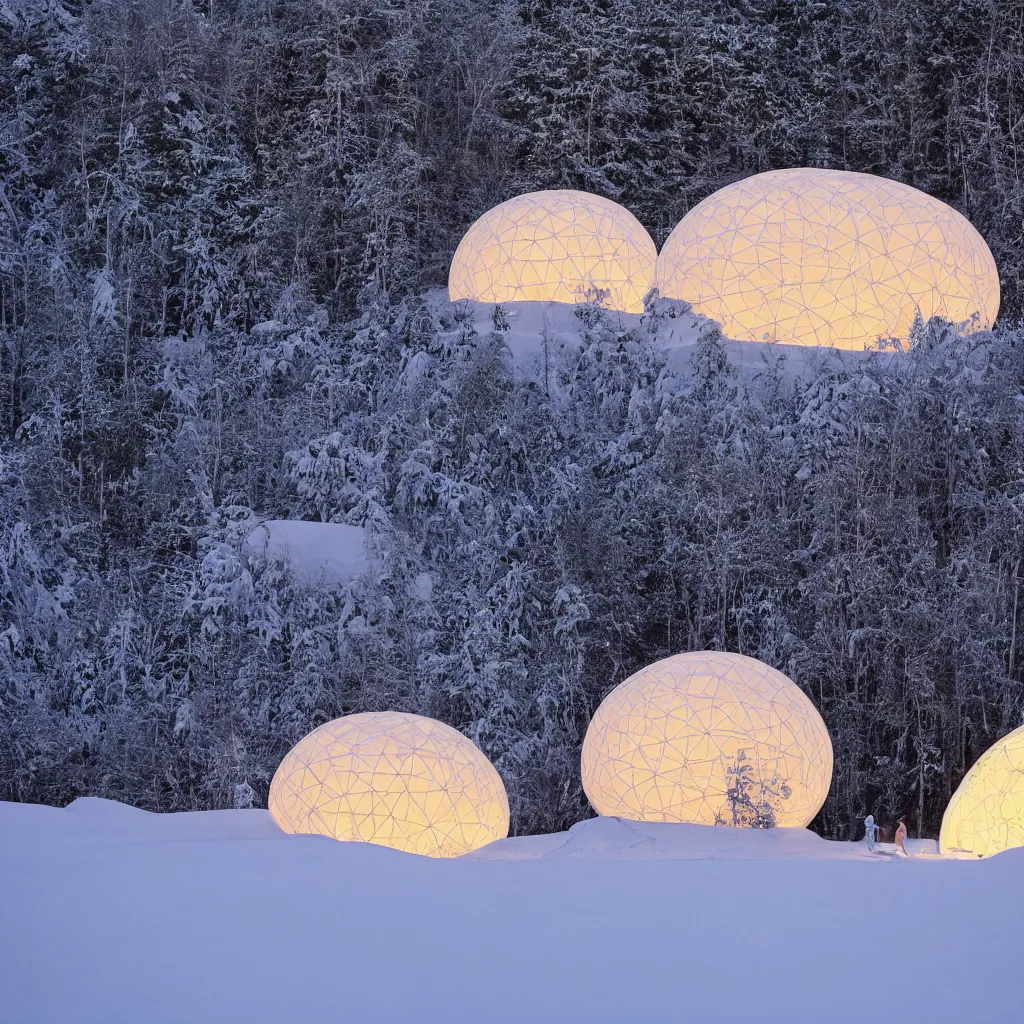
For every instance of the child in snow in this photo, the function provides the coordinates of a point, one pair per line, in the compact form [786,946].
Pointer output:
[901,835]
[870,831]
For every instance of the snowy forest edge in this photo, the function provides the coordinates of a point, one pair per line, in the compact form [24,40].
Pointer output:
[176,175]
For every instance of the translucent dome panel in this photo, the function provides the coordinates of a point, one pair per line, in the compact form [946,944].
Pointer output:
[708,738]
[816,257]
[394,779]
[986,813]
[555,246]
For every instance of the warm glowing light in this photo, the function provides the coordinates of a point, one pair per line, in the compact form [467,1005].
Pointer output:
[708,738]
[397,780]
[986,814]
[556,246]
[816,257]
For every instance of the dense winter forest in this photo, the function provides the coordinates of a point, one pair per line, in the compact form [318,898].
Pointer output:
[216,220]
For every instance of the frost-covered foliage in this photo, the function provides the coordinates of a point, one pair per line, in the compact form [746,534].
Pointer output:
[185,163]
[530,545]
[214,222]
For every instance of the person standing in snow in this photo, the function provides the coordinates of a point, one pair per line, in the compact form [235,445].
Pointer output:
[901,835]
[870,831]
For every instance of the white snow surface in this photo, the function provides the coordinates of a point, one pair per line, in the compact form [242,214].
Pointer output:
[316,553]
[111,914]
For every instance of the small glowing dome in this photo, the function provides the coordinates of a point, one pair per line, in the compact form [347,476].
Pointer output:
[986,813]
[711,739]
[397,780]
[816,257]
[555,246]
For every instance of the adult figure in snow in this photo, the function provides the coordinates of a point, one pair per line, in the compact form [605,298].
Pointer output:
[901,835]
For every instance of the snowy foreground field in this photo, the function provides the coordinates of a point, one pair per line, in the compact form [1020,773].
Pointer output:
[114,914]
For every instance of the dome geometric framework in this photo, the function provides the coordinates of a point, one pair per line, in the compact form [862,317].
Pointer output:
[708,738]
[986,813]
[555,246]
[393,779]
[817,257]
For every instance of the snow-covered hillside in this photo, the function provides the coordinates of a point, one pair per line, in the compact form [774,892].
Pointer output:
[535,330]
[112,914]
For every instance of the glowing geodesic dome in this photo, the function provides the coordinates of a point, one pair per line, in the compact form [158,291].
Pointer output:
[817,257]
[394,779]
[555,246]
[986,813]
[711,739]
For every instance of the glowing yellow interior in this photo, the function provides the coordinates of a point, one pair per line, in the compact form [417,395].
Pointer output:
[816,257]
[555,246]
[672,741]
[986,813]
[393,779]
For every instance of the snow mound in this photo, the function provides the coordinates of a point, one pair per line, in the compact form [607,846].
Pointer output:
[108,821]
[543,330]
[317,553]
[620,839]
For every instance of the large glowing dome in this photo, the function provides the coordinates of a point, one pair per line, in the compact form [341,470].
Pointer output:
[708,738]
[986,814]
[555,246]
[816,257]
[397,780]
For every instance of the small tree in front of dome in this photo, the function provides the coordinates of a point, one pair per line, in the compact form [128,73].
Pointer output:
[751,801]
